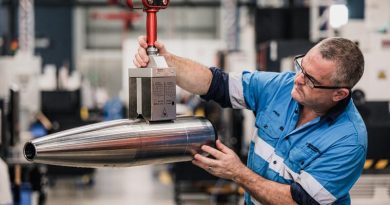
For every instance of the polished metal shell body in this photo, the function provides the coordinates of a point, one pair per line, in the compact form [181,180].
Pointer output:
[123,143]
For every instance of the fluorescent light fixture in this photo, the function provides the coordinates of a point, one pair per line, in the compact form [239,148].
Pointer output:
[338,15]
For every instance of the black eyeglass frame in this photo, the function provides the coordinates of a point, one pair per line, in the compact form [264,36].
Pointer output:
[310,78]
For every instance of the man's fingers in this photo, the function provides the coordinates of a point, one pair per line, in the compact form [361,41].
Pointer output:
[207,167]
[205,160]
[140,61]
[199,164]
[160,46]
[143,54]
[136,63]
[142,41]
[214,152]
[142,57]
[223,147]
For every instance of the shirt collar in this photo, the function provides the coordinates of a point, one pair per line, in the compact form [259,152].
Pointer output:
[335,111]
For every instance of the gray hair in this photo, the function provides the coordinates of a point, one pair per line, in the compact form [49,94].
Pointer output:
[348,58]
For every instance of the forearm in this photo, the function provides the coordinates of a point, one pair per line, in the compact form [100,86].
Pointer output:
[190,75]
[263,190]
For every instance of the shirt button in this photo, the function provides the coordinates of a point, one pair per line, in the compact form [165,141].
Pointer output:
[265,126]
[281,128]
[275,162]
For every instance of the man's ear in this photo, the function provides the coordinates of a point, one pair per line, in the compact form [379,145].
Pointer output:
[340,94]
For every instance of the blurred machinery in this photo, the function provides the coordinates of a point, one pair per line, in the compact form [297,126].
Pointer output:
[275,47]
[62,110]
[22,71]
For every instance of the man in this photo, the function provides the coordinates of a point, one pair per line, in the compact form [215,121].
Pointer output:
[310,142]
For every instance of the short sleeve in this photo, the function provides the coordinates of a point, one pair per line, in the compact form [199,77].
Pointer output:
[259,87]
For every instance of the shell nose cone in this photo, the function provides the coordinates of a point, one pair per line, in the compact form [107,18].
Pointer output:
[29,151]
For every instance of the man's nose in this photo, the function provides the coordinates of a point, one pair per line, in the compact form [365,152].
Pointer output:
[300,78]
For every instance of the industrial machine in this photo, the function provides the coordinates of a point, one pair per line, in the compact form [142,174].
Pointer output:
[152,135]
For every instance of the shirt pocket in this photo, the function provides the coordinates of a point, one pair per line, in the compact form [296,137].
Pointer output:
[269,128]
[300,157]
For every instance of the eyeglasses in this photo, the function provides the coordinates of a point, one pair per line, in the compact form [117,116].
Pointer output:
[310,80]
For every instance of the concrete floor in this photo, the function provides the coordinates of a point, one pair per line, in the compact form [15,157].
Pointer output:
[371,189]
[113,186]
[144,186]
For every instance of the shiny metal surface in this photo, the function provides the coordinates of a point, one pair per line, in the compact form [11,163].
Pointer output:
[123,143]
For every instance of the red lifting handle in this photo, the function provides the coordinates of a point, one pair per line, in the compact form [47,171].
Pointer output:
[151,26]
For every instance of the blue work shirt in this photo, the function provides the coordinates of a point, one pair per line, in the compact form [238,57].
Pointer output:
[321,159]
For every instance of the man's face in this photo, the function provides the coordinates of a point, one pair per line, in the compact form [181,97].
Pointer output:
[317,71]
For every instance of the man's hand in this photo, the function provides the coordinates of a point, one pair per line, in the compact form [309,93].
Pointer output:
[141,59]
[190,75]
[226,164]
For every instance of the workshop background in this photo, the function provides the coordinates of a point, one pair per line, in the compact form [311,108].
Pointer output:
[64,64]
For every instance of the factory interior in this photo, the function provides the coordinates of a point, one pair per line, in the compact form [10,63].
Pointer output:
[68,64]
